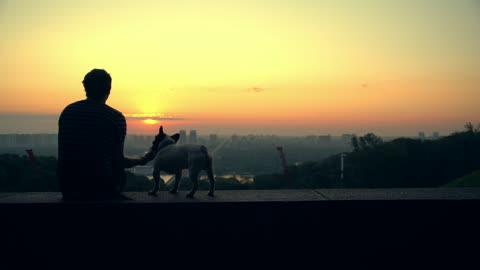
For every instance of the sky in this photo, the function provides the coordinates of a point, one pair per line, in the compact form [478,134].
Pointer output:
[281,67]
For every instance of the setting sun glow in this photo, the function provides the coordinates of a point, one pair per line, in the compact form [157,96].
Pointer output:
[150,122]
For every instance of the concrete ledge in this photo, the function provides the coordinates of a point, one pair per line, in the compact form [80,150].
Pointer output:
[165,197]
[402,194]
[290,223]
[281,195]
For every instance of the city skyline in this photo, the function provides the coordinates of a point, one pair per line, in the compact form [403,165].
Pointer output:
[50,138]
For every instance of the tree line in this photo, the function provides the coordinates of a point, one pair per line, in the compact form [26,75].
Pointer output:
[401,163]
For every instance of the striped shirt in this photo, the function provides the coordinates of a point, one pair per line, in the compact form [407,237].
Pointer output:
[90,150]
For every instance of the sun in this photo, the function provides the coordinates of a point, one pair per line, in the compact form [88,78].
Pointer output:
[150,121]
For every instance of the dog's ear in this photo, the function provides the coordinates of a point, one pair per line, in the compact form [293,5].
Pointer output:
[175,137]
[160,131]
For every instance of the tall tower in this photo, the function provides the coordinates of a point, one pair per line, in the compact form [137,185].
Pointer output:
[421,135]
[284,165]
[183,137]
[192,138]
[213,139]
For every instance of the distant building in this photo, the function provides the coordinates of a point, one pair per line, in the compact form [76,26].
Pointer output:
[213,139]
[324,139]
[143,140]
[148,140]
[235,139]
[28,140]
[247,140]
[435,135]
[23,140]
[6,140]
[11,140]
[42,139]
[192,137]
[311,139]
[183,137]
[37,140]
[347,137]
[137,140]
[53,139]
[421,135]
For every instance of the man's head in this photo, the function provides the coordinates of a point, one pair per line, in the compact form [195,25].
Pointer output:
[97,84]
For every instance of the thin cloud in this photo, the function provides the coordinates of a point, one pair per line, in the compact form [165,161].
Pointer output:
[256,89]
[139,116]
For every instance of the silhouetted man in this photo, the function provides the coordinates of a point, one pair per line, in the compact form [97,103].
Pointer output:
[91,136]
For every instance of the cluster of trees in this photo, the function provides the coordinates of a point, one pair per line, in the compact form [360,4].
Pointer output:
[18,173]
[367,141]
[414,163]
[401,163]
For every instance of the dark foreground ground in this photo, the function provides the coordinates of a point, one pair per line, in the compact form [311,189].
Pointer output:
[254,229]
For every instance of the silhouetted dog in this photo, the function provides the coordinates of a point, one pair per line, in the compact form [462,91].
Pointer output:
[173,158]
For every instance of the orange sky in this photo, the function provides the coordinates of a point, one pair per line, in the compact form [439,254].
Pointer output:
[287,67]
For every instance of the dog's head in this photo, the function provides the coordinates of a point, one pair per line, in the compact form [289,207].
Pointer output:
[162,140]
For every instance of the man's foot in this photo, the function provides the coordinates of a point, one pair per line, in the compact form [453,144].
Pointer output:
[152,193]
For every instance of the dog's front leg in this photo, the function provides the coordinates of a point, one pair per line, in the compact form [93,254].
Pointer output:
[156,181]
[194,179]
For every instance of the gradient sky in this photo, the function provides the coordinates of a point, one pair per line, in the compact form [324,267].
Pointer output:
[285,67]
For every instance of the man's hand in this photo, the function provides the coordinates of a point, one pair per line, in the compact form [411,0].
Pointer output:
[142,161]
[145,159]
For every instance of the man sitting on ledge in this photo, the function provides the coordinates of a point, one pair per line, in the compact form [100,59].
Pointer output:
[91,136]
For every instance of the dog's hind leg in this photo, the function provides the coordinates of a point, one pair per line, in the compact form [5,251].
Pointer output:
[156,180]
[194,179]
[211,179]
[178,177]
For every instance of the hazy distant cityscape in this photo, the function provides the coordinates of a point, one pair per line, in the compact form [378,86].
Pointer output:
[240,155]
[135,141]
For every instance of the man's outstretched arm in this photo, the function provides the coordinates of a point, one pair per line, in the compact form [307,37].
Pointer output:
[132,162]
